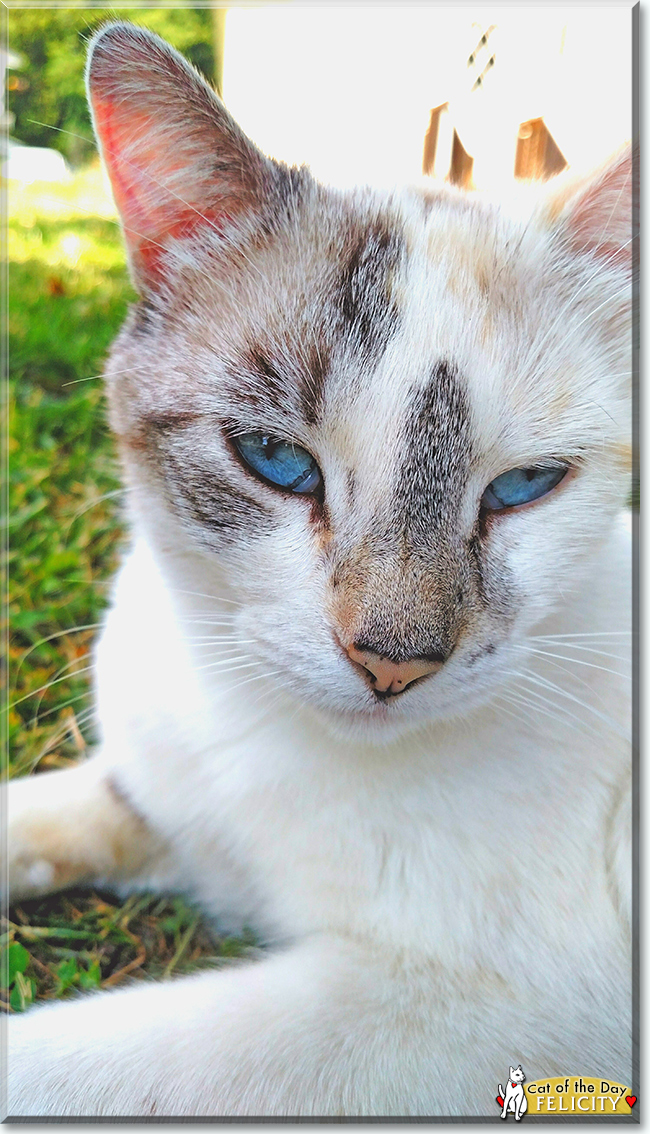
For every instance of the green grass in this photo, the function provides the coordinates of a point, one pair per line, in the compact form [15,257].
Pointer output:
[69,292]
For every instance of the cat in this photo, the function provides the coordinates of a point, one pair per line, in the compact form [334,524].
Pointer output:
[357,687]
[514,1097]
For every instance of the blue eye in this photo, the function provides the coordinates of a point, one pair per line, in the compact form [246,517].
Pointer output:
[279,462]
[521,486]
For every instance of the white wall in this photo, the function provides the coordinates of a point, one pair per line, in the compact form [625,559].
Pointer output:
[349,88]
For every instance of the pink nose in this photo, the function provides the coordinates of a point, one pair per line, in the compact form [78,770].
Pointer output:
[392,677]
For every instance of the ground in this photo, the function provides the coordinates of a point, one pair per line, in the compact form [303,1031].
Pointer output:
[68,293]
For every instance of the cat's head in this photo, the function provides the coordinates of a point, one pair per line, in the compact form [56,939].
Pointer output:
[516,1074]
[395,426]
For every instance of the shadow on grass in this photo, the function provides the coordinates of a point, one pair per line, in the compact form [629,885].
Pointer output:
[84,940]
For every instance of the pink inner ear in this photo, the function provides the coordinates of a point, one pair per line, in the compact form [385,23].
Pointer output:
[602,220]
[151,215]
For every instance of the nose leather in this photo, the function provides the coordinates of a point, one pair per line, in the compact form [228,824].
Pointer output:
[388,676]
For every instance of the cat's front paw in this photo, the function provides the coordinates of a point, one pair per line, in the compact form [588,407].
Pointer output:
[72,827]
[39,858]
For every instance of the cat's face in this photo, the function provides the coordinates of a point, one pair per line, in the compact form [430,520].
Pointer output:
[516,1074]
[396,425]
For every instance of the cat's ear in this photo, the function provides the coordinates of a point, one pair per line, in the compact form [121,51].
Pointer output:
[595,213]
[175,157]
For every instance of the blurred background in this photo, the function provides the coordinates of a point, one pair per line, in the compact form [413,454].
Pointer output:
[478,95]
[351,90]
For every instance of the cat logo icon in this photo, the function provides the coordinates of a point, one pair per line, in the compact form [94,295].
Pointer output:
[513,1099]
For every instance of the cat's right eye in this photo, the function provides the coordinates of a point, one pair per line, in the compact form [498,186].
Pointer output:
[280,463]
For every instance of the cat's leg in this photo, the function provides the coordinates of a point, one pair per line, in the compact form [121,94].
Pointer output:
[74,826]
[321,1029]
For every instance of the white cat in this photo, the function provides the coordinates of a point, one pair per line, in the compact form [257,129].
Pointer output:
[363,683]
[514,1097]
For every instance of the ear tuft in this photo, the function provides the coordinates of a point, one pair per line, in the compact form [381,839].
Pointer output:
[596,212]
[175,157]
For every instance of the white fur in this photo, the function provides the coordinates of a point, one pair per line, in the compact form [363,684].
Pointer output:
[436,901]
[443,879]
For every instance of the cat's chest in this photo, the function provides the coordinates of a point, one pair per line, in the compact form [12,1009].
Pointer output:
[459,848]
[454,864]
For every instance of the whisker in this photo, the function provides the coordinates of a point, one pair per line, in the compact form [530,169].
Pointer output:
[205,617]
[81,718]
[575,661]
[214,638]
[227,664]
[200,594]
[587,650]
[57,708]
[94,377]
[610,299]
[76,381]
[521,702]
[590,634]
[55,681]
[57,634]
[559,643]
[560,714]
[552,687]
[570,673]
[93,504]
[255,677]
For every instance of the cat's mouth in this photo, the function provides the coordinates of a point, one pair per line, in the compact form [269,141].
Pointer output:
[387,677]
[382,696]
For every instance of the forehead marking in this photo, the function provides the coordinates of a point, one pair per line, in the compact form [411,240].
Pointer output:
[283,386]
[365,301]
[437,439]
[259,383]
[313,383]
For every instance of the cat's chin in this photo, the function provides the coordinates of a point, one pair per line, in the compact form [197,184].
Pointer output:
[378,725]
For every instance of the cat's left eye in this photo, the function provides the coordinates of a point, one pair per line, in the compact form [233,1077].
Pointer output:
[280,463]
[521,486]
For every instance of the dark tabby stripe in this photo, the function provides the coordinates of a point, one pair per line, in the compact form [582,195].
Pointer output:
[476,562]
[142,318]
[367,309]
[437,444]
[312,386]
[259,384]
[217,506]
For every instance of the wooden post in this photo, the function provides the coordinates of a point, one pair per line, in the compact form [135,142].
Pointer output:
[431,139]
[462,164]
[538,155]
